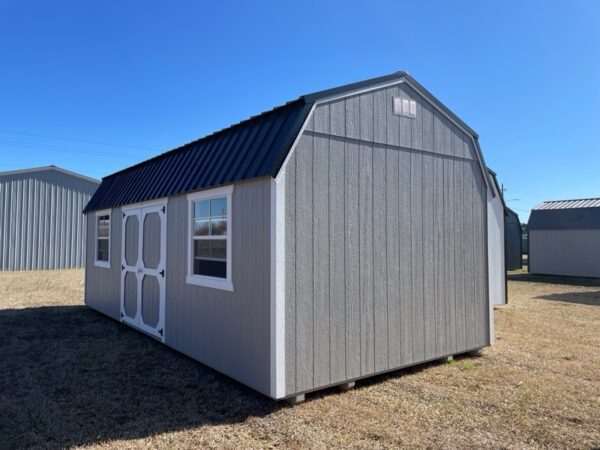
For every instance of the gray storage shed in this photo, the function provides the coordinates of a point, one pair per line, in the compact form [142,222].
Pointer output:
[41,220]
[564,238]
[513,238]
[341,235]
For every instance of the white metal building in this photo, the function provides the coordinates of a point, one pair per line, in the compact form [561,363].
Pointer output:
[564,238]
[41,220]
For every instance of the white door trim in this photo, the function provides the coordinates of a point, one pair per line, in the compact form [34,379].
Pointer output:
[141,271]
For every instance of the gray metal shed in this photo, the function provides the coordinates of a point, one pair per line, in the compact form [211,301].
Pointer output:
[513,240]
[41,220]
[341,235]
[564,238]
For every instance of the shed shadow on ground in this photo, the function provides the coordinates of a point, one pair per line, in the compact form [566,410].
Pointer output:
[582,298]
[553,279]
[69,376]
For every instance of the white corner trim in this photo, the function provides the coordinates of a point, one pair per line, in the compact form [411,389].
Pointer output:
[104,212]
[225,284]
[278,286]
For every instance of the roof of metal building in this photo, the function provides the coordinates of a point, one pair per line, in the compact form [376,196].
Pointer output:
[51,168]
[582,214]
[569,204]
[253,148]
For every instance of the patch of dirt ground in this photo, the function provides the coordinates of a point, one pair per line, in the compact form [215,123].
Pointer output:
[72,377]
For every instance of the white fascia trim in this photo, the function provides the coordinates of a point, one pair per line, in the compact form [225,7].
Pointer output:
[202,280]
[104,212]
[156,202]
[50,168]
[278,286]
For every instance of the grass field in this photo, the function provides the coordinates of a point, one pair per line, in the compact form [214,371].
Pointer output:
[72,377]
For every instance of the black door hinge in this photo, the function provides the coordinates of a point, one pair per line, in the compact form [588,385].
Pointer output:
[160,332]
[162,273]
[123,214]
[163,209]
[122,267]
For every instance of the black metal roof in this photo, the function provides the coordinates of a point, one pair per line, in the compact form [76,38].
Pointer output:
[252,148]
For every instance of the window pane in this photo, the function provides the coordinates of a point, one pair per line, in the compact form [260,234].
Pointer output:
[210,268]
[218,227]
[219,249]
[201,248]
[218,207]
[102,253]
[201,227]
[102,231]
[201,209]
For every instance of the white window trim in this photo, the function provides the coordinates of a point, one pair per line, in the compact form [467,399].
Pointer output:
[97,263]
[225,284]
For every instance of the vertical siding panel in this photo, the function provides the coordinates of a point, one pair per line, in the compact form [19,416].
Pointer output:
[380,117]
[304,264]
[35,216]
[406,257]
[429,142]
[3,245]
[12,235]
[412,129]
[380,297]
[321,119]
[366,117]
[406,124]
[321,255]
[290,275]
[29,217]
[439,246]
[473,269]
[468,246]
[481,297]
[20,224]
[352,264]
[392,255]
[459,253]
[416,209]
[47,213]
[449,261]
[429,269]
[337,261]
[367,342]
[337,114]
[393,121]
[353,118]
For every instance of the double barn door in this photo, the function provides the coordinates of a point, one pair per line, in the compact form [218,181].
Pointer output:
[143,261]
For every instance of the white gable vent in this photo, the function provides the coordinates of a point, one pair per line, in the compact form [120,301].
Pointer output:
[405,107]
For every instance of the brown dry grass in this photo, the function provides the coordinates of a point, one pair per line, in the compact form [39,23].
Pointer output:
[69,376]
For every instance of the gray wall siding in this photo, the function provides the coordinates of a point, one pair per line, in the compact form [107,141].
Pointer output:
[41,220]
[565,252]
[102,285]
[228,331]
[386,242]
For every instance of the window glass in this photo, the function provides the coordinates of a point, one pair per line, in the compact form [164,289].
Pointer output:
[209,224]
[103,237]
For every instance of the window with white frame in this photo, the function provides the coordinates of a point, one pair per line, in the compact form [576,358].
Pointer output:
[209,256]
[102,257]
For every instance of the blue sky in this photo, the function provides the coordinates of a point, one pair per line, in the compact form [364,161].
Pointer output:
[96,86]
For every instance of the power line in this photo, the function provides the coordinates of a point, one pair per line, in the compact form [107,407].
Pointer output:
[68,149]
[77,140]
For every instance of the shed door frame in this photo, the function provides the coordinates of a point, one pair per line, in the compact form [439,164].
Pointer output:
[159,273]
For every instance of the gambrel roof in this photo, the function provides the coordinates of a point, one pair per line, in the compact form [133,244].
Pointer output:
[253,148]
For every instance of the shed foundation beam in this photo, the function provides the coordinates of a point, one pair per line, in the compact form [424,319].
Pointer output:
[450,358]
[347,386]
[295,400]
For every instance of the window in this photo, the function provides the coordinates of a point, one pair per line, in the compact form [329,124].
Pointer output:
[209,256]
[405,107]
[102,257]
